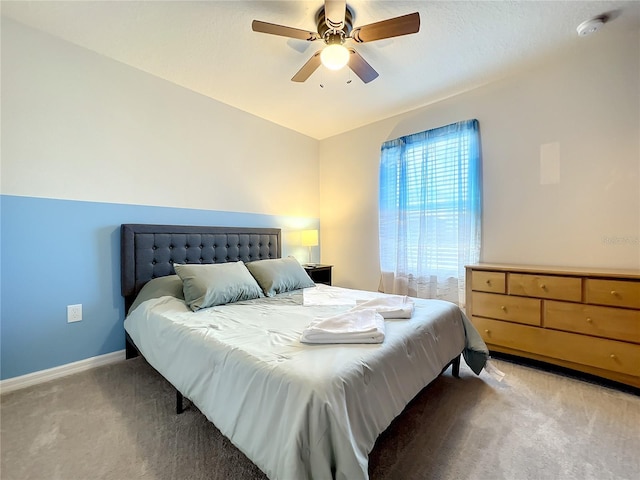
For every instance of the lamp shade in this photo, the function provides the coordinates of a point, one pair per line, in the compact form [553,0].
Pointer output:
[309,238]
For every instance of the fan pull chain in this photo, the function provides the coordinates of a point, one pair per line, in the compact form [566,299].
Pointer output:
[322,82]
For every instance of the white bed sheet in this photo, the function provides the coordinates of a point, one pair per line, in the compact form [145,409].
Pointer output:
[298,411]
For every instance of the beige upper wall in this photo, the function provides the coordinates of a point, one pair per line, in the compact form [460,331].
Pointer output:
[79,126]
[587,102]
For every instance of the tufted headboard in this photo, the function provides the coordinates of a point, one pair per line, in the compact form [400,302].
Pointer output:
[149,251]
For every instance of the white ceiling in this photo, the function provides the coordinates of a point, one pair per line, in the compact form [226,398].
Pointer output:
[209,47]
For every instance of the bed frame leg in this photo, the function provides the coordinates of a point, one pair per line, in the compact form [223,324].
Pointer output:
[179,406]
[455,367]
[130,349]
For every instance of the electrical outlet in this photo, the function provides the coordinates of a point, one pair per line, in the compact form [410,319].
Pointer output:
[74,313]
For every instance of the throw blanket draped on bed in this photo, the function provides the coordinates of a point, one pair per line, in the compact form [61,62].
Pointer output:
[299,411]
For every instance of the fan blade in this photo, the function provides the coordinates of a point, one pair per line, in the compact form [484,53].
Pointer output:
[393,27]
[273,29]
[334,12]
[308,68]
[360,67]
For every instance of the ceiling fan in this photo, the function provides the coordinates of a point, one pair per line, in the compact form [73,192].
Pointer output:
[335,26]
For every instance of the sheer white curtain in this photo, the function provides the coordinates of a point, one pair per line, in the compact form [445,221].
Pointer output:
[430,211]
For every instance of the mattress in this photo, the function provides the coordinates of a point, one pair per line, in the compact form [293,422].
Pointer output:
[298,411]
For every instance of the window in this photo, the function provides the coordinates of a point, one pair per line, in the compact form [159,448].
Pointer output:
[430,211]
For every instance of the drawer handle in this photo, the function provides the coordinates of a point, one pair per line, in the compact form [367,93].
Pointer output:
[589,320]
[502,307]
[543,286]
[613,292]
[487,332]
[612,356]
[488,282]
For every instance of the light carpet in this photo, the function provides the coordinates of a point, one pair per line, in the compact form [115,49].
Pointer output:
[118,422]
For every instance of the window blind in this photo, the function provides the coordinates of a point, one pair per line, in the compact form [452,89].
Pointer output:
[429,202]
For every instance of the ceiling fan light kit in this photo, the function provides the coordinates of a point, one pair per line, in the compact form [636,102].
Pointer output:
[334,57]
[334,23]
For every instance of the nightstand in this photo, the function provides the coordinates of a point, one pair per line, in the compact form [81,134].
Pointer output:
[319,273]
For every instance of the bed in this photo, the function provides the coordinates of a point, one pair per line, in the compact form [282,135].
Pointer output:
[298,411]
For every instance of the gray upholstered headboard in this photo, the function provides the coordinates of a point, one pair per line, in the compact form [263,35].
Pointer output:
[149,251]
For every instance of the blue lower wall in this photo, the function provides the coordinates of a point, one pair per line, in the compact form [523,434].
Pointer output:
[56,253]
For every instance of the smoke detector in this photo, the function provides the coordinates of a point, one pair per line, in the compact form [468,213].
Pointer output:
[591,26]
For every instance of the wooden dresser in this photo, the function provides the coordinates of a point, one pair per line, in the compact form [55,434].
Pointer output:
[583,319]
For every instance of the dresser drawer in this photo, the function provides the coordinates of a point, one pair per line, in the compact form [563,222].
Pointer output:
[615,323]
[546,286]
[504,334]
[488,281]
[617,293]
[595,352]
[504,307]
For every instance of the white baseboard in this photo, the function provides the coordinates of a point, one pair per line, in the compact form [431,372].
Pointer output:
[16,383]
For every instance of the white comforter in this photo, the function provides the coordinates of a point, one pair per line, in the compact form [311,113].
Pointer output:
[297,411]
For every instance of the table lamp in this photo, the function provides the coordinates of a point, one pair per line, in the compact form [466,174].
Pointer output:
[309,238]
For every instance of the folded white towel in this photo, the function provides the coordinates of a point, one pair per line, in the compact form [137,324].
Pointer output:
[325,295]
[364,326]
[389,306]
